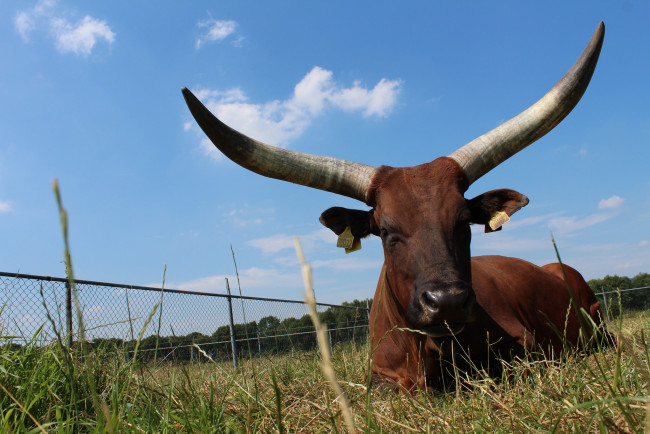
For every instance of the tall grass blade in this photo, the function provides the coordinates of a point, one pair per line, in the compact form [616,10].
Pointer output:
[321,334]
[90,379]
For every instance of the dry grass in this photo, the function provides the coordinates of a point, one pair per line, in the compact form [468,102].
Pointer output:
[606,391]
[65,390]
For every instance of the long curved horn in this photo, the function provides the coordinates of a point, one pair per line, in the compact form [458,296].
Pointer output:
[492,148]
[325,173]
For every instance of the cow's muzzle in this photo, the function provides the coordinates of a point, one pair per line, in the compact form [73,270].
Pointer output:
[445,312]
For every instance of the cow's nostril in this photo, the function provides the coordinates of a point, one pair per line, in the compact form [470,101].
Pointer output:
[432,301]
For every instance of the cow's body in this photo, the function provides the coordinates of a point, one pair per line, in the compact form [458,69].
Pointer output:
[430,283]
[519,308]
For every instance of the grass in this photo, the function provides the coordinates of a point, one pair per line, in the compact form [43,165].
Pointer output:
[55,388]
[289,393]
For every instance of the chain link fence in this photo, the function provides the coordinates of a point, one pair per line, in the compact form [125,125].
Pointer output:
[39,307]
[615,303]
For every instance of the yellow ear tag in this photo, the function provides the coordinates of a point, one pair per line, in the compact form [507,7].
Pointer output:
[498,219]
[356,245]
[346,239]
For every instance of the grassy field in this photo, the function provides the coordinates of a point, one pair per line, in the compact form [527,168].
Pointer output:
[48,389]
[61,389]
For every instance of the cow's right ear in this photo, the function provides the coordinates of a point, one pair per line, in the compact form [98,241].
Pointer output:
[361,223]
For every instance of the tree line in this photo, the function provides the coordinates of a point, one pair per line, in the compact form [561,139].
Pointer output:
[269,335]
[629,300]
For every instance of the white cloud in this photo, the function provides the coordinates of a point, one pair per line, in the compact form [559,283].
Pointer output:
[278,122]
[643,243]
[347,264]
[279,242]
[245,216]
[251,278]
[272,244]
[79,38]
[572,224]
[25,21]
[206,146]
[215,30]
[529,221]
[611,203]
[626,266]
[506,244]
[24,24]
[378,102]
[5,206]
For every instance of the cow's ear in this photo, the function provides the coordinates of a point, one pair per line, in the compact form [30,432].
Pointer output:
[360,222]
[486,207]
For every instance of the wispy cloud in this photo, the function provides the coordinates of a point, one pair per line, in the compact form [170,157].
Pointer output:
[566,225]
[79,38]
[252,278]
[278,242]
[529,221]
[507,244]
[25,20]
[212,30]
[611,203]
[347,264]
[245,216]
[279,122]
[5,206]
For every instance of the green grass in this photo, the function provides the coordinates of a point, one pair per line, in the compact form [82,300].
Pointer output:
[289,393]
[57,388]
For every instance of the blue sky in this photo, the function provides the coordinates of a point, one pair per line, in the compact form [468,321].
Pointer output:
[91,96]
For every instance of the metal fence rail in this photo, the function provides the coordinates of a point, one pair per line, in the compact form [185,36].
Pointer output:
[39,306]
[615,302]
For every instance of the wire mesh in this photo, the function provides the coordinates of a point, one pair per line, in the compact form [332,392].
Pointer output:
[34,307]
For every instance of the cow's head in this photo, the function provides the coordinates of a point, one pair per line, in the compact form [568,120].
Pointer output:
[423,221]
[419,212]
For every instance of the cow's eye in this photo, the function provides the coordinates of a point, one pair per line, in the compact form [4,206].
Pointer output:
[393,240]
[390,238]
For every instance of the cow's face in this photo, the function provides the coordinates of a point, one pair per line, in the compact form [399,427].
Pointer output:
[424,224]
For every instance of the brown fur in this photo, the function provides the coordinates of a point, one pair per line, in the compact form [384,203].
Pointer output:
[430,288]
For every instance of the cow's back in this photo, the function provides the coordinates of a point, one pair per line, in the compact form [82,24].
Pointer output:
[532,305]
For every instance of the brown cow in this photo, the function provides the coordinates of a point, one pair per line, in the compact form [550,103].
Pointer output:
[429,282]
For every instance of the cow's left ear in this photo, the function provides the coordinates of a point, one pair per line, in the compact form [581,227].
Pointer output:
[337,219]
[486,207]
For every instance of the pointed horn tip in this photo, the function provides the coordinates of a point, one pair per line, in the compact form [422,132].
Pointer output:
[186,92]
[600,29]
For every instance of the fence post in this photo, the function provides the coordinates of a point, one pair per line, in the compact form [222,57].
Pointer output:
[68,311]
[605,301]
[259,344]
[232,327]
[329,332]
